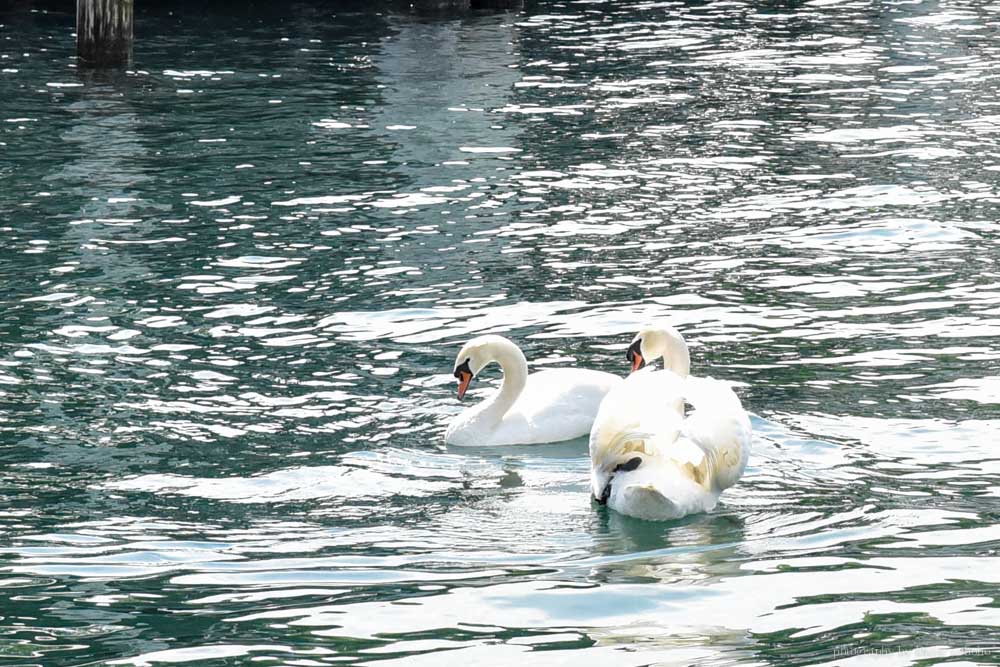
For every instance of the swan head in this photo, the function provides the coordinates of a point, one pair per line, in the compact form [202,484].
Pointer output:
[603,478]
[653,342]
[474,356]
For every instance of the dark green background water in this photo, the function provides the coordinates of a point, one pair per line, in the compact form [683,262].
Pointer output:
[235,277]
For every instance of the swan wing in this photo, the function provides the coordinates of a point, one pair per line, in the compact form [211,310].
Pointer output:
[550,393]
[641,409]
[555,405]
[720,427]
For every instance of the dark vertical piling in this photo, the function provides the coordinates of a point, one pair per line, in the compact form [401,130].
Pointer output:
[104,32]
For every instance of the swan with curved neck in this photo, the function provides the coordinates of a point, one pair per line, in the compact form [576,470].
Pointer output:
[659,464]
[547,406]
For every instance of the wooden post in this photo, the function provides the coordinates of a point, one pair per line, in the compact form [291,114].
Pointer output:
[104,32]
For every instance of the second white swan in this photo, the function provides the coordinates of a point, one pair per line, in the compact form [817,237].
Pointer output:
[547,406]
[648,459]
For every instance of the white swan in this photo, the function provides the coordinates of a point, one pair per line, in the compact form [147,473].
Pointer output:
[547,406]
[650,461]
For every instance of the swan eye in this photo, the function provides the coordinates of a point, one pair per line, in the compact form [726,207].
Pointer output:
[634,355]
[628,466]
[463,368]
[464,375]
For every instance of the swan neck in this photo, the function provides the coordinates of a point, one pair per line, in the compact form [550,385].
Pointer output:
[676,356]
[515,375]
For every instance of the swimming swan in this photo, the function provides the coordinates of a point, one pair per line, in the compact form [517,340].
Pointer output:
[547,406]
[649,460]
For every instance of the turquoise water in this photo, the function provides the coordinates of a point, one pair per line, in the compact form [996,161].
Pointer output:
[236,276]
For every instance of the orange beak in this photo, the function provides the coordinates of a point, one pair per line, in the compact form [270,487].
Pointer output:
[636,361]
[634,355]
[465,378]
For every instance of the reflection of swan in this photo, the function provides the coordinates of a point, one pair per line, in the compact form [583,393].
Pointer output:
[547,406]
[650,461]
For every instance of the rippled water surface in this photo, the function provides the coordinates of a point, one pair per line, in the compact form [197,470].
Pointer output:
[235,278]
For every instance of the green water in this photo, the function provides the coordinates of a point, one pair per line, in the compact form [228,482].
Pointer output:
[234,279]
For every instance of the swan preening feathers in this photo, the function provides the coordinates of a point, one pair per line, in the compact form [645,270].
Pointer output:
[649,459]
